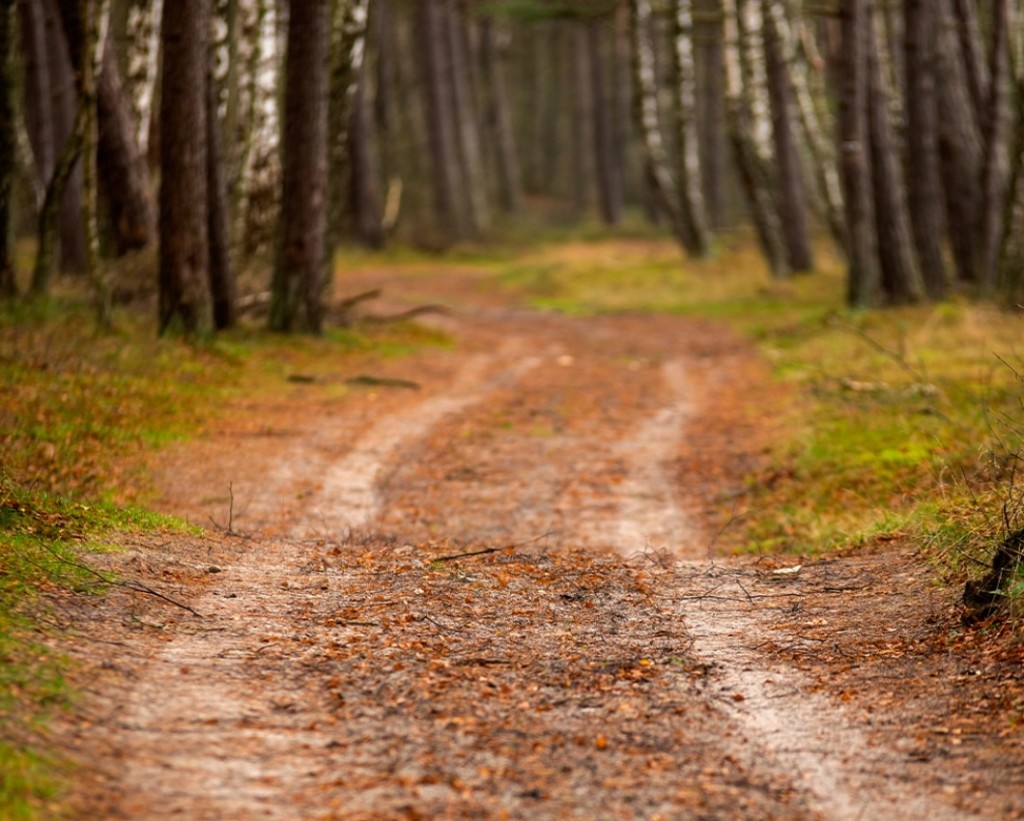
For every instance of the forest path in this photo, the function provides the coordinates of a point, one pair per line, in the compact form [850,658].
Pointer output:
[495,597]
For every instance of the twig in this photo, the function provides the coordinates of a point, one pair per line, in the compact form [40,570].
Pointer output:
[129,584]
[896,356]
[488,550]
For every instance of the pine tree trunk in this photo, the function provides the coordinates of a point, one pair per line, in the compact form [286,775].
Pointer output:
[864,276]
[499,120]
[901,278]
[755,177]
[222,278]
[960,145]
[968,30]
[995,133]
[466,121]
[924,187]
[451,211]
[184,243]
[299,274]
[584,167]
[365,192]
[36,87]
[792,199]
[691,197]
[8,36]
[64,107]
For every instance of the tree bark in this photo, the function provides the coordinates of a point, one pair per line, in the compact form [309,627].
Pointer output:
[960,145]
[37,87]
[500,120]
[222,278]
[924,174]
[297,301]
[64,105]
[901,277]
[648,119]
[451,210]
[995,134]
[792,199]
[466,121]
[584,165]
[794,40]
[755,176]
[864,276]
[691,197]
[713,133]
[184,240]
[8,24]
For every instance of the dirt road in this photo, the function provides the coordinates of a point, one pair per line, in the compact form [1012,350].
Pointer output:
[498,596]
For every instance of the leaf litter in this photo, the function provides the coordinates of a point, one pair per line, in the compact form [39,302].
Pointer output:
[503,626]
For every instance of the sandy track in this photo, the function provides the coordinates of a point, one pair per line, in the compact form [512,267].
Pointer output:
[565,436]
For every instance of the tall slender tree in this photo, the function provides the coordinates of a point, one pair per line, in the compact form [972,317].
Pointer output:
[864,275]
[924,187]
[8,26]
[297,300]
[184,240]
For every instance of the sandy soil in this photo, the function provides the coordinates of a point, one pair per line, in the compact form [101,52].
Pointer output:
[498,596]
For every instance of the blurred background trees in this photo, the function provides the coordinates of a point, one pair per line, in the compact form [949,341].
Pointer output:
[235,132]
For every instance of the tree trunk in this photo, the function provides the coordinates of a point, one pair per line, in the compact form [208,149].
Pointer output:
[960,145]
[901,277]
[864,276]
[347,76]
[968,30]
[924,187]
[648,119]
[792,199]
[821,149]
[297,302]
[713,131]
[8,281]
[36,87]
[499,120]
[94,22]
[184,239]
[691,197]
[466,121]
[64,104]
[452,212]
[995,133]
[122,171]
[755,177]
[584,167]
[222,278]
[365,192]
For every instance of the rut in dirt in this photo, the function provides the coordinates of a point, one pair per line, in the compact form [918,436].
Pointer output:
[584,660]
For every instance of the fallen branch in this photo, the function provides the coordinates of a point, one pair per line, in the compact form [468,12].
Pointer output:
[137,587]
[488,550]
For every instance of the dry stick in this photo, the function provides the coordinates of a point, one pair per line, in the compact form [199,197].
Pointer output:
[488,550]
[129,584]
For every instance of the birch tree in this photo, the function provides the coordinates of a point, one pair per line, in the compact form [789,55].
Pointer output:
[691,196]
[751,164]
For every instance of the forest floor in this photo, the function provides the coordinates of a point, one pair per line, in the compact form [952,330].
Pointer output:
[483,582]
